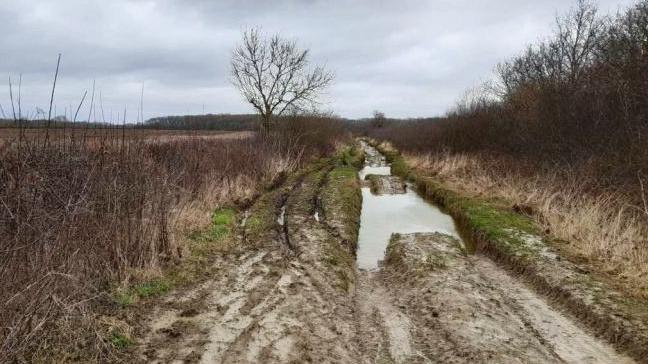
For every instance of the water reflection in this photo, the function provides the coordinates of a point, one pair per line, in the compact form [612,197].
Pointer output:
[383,215]
[380,170]
[387,214]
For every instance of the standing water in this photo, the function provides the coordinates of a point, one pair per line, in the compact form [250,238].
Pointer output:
[383,215]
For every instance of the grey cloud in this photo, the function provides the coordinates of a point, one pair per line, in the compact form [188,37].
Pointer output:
[408,58]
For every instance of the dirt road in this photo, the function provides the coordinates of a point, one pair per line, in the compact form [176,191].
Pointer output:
[285,296]
[291,292]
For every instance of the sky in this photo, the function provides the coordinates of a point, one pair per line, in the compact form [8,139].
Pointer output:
[406,58]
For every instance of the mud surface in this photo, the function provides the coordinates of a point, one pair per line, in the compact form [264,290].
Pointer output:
[431,302]
[386,185]
[465,309]
[390,206]
[272,304]
[291,293]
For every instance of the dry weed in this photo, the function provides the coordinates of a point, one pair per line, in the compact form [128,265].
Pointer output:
[603,228]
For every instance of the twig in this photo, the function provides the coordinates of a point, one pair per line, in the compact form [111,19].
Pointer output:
[643,194]
[19,97]
[80,104]
[141,110]
[13,108]
[85,130]
[49,115]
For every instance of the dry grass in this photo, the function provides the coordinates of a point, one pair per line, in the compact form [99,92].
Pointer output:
[603,228]
[79,216]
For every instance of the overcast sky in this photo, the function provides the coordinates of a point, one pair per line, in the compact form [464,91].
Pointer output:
[408,58]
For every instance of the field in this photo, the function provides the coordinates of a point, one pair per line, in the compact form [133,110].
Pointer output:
[92,135]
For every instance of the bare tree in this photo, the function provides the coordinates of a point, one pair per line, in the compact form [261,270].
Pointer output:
[273,75]
[379,119]
[578,34]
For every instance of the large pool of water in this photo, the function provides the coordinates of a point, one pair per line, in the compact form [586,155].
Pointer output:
[383,215]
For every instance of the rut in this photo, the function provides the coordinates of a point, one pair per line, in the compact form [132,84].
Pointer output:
[430,302]
[274,304]
[294,294]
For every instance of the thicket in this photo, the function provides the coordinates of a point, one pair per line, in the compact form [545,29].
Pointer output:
[576,103]
[79,215]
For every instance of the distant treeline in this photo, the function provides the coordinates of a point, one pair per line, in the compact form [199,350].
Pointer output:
[225,122]
[58,123]
[233,122]
[578,100]
[204,122]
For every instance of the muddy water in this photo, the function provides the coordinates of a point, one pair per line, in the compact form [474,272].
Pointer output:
[383,215]
[466,310]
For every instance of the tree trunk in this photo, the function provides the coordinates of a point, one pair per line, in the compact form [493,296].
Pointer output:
[265,123]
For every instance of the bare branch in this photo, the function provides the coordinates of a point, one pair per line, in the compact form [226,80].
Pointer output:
[273,76]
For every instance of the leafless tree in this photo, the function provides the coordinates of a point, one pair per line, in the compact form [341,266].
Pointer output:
[273,75]
[379,119]
[578,33]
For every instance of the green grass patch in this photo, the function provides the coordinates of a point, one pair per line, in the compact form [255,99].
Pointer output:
[152,288]
[120,341]
[224,217]
[260,224]
[343,173]
[217,235]
[221,227]
[351,157]
[342,196]
[394,252]
[507,230]
[222,223]
[131,295]
[125,299]
[203,243]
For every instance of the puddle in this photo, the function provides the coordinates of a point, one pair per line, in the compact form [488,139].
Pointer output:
[377,170]
[282,216]
[383,215]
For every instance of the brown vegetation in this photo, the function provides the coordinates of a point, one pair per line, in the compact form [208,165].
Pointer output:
[563,133]
[78,217]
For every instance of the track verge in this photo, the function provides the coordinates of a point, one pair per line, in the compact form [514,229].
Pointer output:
[516,242]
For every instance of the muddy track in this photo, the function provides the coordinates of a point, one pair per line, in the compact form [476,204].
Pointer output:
[430,302]
[291,292]
[463,309]
[276,303]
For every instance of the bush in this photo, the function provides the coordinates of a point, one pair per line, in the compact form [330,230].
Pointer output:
[77,216]
[576,103]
